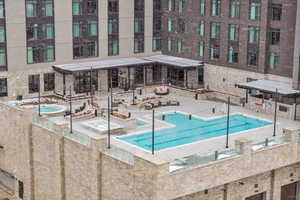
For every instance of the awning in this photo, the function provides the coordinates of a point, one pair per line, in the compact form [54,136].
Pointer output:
[101,64]
[175,61]
[269,86]
[131,61]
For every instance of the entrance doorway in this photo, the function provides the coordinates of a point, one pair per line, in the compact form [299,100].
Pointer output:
[84,81]
[289,192]
[176,76]
[113,78]
[260,196]
[139,76]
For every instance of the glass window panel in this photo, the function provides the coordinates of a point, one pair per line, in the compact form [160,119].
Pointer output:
[49,8]
[29,55]
[202,7]
[76,29]
[2,57]
[50,53]
[31,8]
[2,33]
[93,28]
[76,8]
[1,9]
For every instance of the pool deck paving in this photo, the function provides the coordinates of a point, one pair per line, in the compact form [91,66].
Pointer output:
[200,108]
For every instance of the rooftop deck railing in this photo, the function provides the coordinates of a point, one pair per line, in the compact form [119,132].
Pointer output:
[197,160]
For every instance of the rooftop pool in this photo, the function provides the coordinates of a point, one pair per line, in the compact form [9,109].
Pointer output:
[188,131]
[51,109]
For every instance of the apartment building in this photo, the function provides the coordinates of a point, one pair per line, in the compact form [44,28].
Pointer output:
[236,39]
[38,34]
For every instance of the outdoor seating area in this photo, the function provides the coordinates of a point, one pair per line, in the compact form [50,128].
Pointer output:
[159,102]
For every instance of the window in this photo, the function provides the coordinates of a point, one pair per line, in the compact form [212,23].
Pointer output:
[77,29]
[91,7]
[2,58]
[48,31]
[214,52]
[49,54]
[215,30]
[156,46]
[92,49]
[40,53]
[254,13]
[181,26]
[182,6]
[170,25]
[180,46]
[32,32]
[31,8]
[113,47]
[202,7]
[233,32]
[2,33]
[138,45]
[85,28]
[83,81]
[78,51]
[93,28]
[3,87]
[77,7]
[253,34]
[275,36]
[234,9]
[201,31]
[138,25]
[171,5]
[40,32]
[113,6]
[252,57]
[34,83]
[233,55]
[201,47]
[215,7]
[113,26]
[2,13]
[276,12]
[49,81]
[47,8]
[273,60]
[170,45]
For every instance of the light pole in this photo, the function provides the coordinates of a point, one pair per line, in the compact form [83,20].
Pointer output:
[108,122]
[153,131]
[227,129]
[71,117]
[275,112]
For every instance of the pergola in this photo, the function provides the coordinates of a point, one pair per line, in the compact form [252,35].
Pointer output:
[131,61]
[276,88]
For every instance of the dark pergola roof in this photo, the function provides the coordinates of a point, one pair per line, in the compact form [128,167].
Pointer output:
[175,61]
[268,86]
[131,61]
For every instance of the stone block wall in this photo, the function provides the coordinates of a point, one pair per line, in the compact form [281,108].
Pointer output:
[224,79]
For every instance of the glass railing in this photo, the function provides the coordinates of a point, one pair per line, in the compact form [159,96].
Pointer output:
[270,142]
[120,154]
[45,123]
[77,136]
[197,160]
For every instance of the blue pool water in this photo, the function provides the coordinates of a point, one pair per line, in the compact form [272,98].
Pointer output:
[188,131]
[50,109]
[140,123]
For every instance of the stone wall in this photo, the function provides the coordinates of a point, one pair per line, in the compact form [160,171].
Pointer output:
[53,166]
[224,79]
